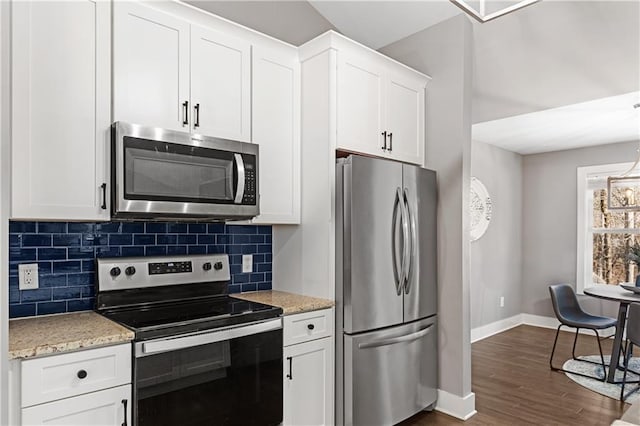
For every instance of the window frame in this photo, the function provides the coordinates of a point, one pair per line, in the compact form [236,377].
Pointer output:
[584,253]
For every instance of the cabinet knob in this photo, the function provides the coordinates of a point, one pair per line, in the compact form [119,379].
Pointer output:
[311,326]
[82,374]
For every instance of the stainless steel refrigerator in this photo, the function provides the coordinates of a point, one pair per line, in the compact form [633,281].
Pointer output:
[386,291]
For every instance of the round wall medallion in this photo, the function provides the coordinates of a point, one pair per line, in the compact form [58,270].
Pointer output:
[479,209]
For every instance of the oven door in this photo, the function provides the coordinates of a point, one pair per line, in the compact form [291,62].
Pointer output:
[229,376]
[164,173]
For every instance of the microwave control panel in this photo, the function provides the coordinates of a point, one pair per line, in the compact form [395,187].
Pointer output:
[250,178]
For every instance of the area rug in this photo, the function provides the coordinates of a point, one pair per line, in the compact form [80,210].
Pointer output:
[608,389]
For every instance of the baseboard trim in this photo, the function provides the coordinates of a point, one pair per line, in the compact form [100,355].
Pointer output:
[549,322]
[462,408]
[488,330]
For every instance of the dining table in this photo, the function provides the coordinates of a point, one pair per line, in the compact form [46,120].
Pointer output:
[615,293]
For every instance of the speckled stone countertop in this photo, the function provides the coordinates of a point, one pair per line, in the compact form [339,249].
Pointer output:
[49,334]
[289,302]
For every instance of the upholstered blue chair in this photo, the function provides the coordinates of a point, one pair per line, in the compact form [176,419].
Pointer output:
[570,314]
[633,338]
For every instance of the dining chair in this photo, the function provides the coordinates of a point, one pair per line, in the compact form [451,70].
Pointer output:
[633,338]
[570,314]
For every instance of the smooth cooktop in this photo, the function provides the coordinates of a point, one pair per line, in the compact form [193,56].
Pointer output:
[178,317]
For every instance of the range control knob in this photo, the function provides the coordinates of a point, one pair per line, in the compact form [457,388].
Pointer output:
[115,271]
[130,270]
[217,266]
[206,266]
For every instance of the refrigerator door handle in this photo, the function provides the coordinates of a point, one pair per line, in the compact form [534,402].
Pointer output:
[404,209]
[397,277]
[393,340]
[411,225]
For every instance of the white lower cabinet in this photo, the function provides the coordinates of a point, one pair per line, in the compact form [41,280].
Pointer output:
[110,407]
[309,374]
[81,388]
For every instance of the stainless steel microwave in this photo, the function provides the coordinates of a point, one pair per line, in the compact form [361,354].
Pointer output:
[158,174]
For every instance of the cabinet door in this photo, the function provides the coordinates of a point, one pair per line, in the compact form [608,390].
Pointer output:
[150,67]
[361,97]
[405,117]
[103,408]
[60,109]
[220,85]
[276,128]
[308,383]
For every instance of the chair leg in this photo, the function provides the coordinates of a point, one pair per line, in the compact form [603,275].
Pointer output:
[555,342]
[604,369]
[575,341]
[626,367]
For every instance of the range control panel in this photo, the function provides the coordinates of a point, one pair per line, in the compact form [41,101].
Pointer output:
[156,268]
[121,273]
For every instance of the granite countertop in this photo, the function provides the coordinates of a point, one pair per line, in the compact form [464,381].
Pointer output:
[289,302]
[49,334]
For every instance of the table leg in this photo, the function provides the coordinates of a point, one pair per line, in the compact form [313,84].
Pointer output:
[617,342]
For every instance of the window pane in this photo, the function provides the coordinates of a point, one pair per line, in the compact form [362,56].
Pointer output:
[610,264]
[604,218]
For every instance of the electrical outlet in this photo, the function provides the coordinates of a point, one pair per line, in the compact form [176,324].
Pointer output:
[247,263]
[502,301]
[28,276]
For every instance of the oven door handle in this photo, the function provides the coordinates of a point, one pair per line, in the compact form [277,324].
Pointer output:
[176,343]
[240,169]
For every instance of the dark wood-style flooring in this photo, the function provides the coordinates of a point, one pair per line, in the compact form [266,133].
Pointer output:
[514,385]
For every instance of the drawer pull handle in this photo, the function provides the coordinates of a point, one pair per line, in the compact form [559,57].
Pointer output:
[103,206]
[82,374]
[311,327]
[124,402]
[290,375]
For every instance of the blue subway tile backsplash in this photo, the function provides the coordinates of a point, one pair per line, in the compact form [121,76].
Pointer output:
[66,253]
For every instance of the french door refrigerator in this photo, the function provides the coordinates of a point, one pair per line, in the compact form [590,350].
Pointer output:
[386,292]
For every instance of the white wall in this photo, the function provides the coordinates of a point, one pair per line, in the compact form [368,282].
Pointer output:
[444,51]
[549,228]
[496,258]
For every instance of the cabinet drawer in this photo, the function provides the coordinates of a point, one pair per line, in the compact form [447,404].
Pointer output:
[308,326]
[107,407]
[61,376]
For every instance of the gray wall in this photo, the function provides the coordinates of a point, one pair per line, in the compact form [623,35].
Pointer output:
[550,224]
[444,51]
[496,258]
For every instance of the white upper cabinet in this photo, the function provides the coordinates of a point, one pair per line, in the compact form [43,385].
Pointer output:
[361,100]
[150,67]
[220,85]
[60,109]
[405,116]
[380,103]
[174,75]
[276,128]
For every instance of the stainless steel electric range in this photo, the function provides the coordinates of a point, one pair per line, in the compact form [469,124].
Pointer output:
[200,357]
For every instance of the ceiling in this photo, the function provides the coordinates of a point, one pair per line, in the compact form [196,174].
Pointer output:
[546,56]
[295,22]
[591,123]
[379,23]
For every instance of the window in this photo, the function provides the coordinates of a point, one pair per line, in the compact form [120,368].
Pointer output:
[604,236]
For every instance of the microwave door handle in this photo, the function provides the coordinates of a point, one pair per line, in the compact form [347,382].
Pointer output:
[240,169]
